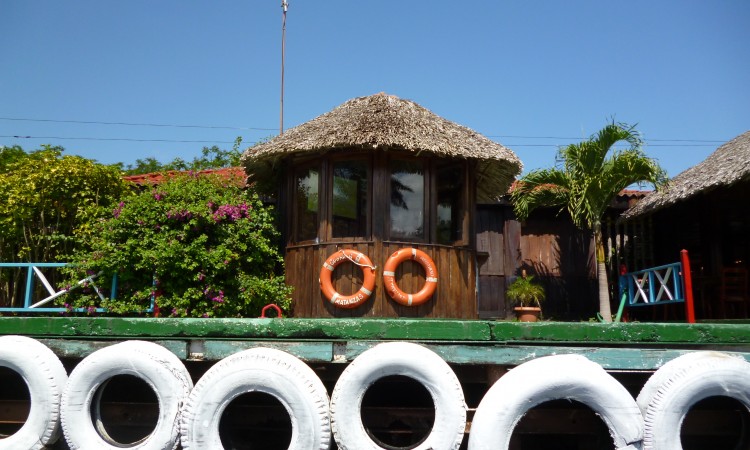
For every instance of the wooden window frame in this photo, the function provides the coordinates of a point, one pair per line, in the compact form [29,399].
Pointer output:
[465,216]
[294,223]
[427,203]
[328,225]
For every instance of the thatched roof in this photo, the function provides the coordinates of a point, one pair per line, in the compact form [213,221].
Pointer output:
[387,122]
[728,165]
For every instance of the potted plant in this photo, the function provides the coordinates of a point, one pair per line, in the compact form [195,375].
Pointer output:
[527,296]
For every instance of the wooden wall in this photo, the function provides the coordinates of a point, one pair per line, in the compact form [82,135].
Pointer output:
[454,297]
[547,246]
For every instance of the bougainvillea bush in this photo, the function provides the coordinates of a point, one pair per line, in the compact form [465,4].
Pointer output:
[201,245]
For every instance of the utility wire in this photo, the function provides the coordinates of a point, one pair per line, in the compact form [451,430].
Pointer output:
[218,127]
[92,122]
[232,142]
[120,139]
[578,138]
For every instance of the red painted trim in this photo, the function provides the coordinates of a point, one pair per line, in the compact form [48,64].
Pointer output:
[687,281]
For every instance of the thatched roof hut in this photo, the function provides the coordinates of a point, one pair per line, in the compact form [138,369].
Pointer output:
[728,165]
[386,122]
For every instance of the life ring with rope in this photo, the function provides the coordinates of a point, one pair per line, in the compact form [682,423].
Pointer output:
[368,284]
[389,276]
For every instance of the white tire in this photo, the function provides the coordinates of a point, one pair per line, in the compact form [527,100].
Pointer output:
[265,370]
[45,378]
[667,371]
[673,389]
[152,363]
[405,359]
[571,377]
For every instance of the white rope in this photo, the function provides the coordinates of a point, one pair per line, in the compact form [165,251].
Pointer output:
[357,262]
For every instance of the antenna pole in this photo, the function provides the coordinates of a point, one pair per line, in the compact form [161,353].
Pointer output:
[284,7]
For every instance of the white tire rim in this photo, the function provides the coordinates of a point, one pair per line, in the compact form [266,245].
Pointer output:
[404,359]
[676,387]
[45,378]
[264,370]
[152,363]
[558,377]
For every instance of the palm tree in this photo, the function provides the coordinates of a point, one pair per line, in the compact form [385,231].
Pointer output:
[586,185]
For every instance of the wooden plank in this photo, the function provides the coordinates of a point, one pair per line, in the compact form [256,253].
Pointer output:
[611,358]
[726,336]
[608,358]
[214,350]
[73,348]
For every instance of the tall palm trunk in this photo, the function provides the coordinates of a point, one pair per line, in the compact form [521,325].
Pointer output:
[605,309]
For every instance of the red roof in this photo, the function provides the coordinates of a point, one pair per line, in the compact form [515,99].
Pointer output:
[229,173]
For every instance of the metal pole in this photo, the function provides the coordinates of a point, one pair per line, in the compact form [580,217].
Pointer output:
[284,7]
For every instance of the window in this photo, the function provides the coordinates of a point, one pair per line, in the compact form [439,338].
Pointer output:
[306,204]
[359,196]
[407,199]
[449,184]
[349,201]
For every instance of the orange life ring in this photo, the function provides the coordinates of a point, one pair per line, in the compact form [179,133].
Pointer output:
[389,277]
[359,297]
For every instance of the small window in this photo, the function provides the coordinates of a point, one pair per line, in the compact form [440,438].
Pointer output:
[450,203]
[306,204]
[407,199]
[349,203]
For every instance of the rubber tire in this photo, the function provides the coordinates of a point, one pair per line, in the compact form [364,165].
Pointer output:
[665,372]
[45,377]
[405,359]
[152,363]
[682,383]
[265,370]
[571,377]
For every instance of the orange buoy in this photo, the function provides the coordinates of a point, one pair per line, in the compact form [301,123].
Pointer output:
[389,276]
[359,297]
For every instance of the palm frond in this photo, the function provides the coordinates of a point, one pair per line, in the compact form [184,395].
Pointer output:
[547,187]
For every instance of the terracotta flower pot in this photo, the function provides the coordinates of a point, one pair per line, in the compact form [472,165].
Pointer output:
[528,313]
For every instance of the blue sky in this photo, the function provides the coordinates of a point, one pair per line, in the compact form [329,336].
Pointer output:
[530,75]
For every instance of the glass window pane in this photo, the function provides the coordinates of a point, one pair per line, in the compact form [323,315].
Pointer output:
[407,199]
[306,204]
[450,203]
[349,199]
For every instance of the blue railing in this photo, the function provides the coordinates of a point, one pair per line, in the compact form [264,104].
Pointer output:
[34,273]
[657,285]
[661,285]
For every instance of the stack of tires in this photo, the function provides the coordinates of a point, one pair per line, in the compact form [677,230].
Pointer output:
[189,415]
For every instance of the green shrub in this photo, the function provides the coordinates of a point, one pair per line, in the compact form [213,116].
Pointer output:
[201,244]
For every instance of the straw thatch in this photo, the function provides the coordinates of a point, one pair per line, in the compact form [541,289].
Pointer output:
[387,122]
[728,165]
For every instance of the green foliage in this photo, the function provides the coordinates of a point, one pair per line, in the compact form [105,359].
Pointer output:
[211,158]
[45,196]
[9,155]
[201,244]
[589,179]
[523,291]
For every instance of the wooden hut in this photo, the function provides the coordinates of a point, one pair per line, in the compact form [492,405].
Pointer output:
[704,210]
[378,174]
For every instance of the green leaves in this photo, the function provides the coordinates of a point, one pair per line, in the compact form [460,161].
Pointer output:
[592,175]
[211,158]
[204,247]
[44,196]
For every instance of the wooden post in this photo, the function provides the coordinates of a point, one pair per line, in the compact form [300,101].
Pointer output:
[687,281]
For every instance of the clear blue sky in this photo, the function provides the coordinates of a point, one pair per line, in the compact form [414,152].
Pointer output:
[516,71]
